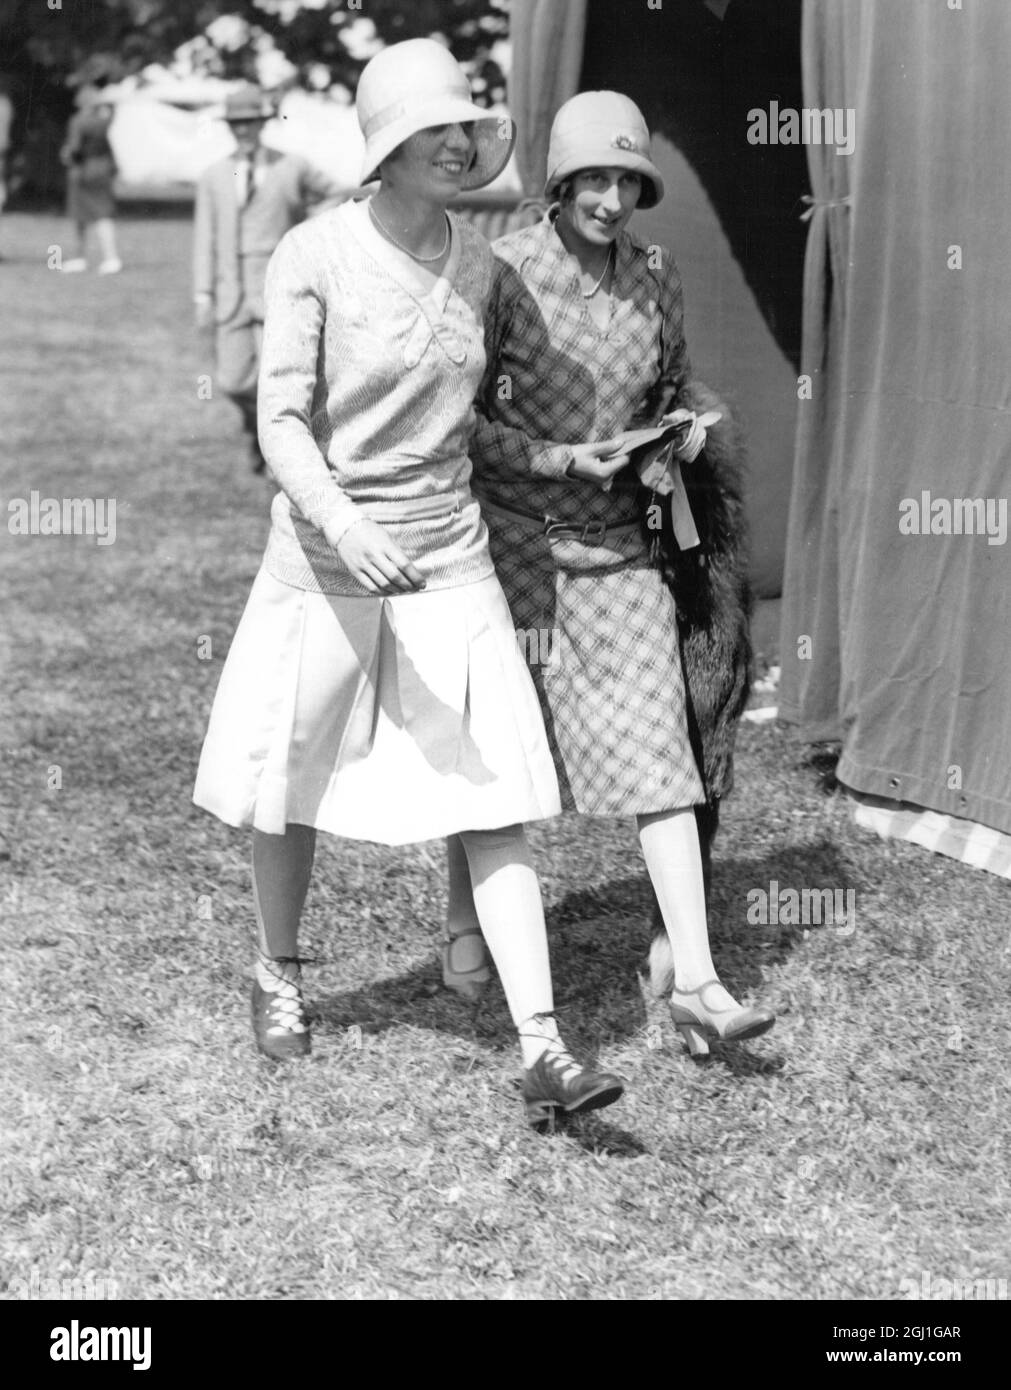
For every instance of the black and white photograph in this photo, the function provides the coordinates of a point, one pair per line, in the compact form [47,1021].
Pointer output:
[505,668]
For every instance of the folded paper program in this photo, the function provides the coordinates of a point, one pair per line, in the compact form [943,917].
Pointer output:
[653,454]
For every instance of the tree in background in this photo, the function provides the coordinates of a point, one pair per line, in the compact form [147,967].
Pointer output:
[50,47]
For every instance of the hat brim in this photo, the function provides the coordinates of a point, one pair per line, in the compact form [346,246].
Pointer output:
[494,138]
[652,179]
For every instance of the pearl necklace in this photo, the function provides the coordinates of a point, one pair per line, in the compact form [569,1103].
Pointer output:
[423,260]
[588,294]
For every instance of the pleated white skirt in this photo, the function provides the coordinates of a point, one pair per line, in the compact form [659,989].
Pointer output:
[394,720]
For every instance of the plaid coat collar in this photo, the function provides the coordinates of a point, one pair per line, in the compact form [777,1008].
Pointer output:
[630,257]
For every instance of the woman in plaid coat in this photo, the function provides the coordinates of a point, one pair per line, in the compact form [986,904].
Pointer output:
[582,327]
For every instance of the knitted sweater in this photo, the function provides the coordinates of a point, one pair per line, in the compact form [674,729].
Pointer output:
[365,400]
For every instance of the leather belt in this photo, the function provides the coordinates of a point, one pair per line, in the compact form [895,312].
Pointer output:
[589,532]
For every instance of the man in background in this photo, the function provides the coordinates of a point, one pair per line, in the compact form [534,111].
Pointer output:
[245,204]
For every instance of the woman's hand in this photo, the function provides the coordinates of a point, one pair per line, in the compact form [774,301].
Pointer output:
[597,463]
[369,553]
[695,440]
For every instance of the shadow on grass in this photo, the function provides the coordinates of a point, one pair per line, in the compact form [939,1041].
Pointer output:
[593,1134]
[599,939]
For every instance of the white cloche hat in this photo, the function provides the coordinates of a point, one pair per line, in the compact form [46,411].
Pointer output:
[416,84]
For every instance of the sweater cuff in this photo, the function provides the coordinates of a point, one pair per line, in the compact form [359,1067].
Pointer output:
[336,515]
[551,461]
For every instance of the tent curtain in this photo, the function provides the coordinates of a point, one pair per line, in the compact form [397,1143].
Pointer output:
[895,636]
[547,39]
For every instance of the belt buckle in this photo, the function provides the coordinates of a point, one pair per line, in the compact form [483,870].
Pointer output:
[594,532]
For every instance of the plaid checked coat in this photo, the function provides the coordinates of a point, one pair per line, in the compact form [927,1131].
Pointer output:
[609,673]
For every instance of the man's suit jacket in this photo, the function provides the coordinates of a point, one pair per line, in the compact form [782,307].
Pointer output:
[232,245]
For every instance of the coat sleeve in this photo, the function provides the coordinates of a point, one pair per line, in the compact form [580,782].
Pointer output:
[293,325]
[498,448]
[203,240]
[676,367]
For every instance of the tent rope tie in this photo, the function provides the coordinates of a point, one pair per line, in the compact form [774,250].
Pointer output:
[815,203]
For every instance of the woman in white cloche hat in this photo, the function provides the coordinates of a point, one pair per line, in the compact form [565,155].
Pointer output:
[374,688]
[584,335]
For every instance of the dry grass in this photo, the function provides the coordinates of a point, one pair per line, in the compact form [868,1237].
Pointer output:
[861,1143]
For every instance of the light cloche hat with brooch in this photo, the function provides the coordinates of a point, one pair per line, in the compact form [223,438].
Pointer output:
[601,130]
[416,84]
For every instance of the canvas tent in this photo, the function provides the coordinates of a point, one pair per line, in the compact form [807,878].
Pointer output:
[908,286]
[894,643]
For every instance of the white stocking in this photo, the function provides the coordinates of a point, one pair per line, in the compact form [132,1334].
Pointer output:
[670,846]
[507,898]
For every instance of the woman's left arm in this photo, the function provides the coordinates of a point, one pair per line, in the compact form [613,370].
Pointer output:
[675,365]
[668,400]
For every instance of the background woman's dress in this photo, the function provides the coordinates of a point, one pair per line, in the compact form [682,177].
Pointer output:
[91,166]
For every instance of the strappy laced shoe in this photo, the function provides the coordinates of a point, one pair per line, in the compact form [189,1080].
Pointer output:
[557,1083]
[280,1022]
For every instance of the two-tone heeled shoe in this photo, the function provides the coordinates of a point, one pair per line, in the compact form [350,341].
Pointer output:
[699,1025]
[557,1084]
[471,982]
[280,1022]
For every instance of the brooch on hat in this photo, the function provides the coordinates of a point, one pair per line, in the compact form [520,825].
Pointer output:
[625,142]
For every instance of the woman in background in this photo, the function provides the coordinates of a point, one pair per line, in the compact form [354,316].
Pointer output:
[91,172]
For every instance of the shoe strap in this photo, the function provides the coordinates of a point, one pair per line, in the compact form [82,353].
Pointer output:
[458,936]
[561,1061]
[287,990]
[286,1007]
[287,1012]
[699,994]
[270,963]
[555,1055]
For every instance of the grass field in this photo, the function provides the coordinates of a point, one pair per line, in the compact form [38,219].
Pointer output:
[862,1143]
